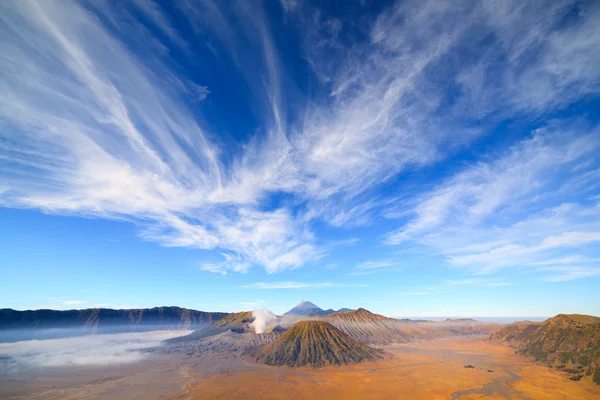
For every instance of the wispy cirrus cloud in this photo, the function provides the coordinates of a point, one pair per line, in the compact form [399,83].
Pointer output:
[513,211]
[114,306]
[569,273]
[159,168]
[376,264]
[488,282]
[72,302]
[94,123]
[253,304]
[300,285]
[423,293]
[451,285]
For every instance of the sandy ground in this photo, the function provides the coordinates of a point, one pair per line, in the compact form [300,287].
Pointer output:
[427,370]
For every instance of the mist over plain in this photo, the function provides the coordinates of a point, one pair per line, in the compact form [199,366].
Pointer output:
[92,350]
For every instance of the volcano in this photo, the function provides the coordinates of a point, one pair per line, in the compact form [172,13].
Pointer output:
[316,344]
[305,308]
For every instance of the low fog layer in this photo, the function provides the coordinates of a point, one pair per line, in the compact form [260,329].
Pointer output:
[93,350]
[19,335]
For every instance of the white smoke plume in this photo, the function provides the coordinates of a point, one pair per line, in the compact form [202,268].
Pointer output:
[262,319]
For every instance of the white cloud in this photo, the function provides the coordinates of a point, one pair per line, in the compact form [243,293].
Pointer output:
[376,264]
[299,285]
[571,272]
[153,12]
[576,259]
[232,263]
[253,305]
[88,128]
[125,149]
[517,210]
[115,306]
[493,282]
[71,302]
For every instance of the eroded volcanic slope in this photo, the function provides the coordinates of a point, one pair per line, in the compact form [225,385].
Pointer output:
[367,327]
[316,344]
[237,322]
[564,339]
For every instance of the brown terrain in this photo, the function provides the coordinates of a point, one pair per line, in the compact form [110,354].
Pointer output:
[425,370]
[453,359]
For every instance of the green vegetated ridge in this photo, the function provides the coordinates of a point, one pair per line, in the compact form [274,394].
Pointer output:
[316,344]
[570,342]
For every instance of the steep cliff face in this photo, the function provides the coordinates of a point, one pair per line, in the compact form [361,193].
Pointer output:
[316,344]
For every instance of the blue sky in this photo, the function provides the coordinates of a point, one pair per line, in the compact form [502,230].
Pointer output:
[415,158]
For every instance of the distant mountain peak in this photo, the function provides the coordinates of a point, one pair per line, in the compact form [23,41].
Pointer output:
[304,308]
[306,304]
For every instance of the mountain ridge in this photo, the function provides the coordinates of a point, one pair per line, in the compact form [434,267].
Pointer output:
[306,307]
[371,328]
[99,320]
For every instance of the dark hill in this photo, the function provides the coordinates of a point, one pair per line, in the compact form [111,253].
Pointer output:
[34,324]
[316,344]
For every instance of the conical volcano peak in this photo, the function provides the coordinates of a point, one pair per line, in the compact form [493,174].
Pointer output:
[306,304]
[305,308]
[315,343]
